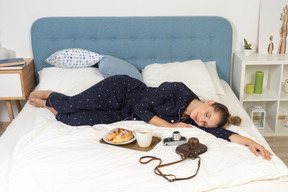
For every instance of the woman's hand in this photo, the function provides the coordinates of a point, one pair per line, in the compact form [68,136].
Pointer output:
[256,148]
[157,121]
[253,146]
[180,124]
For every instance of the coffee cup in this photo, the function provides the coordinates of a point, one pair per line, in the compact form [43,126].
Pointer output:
[143,136]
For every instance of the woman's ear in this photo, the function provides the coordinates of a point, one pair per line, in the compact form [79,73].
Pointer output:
[210,102]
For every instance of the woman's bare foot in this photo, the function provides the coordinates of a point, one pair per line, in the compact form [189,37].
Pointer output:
[40,94]
[36,102]
[41,103]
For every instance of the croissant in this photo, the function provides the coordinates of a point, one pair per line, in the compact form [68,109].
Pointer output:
[119,135]
[112,134]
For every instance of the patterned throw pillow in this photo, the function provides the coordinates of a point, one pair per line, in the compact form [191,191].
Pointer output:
[74,58]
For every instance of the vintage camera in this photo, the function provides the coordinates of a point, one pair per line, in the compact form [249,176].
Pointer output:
[176,139]
[193,148]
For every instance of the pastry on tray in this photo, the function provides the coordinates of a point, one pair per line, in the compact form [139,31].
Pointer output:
[119,135]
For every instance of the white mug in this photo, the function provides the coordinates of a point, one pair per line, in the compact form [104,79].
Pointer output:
[143,136]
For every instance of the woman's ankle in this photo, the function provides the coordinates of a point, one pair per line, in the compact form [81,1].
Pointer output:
[42,94]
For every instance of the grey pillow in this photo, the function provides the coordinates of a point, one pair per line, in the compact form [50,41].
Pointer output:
[111,65]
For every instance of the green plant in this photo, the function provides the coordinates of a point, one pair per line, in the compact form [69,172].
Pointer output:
[246,44]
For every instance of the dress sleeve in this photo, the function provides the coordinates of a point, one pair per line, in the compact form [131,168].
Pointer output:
[217,132]
[159,96]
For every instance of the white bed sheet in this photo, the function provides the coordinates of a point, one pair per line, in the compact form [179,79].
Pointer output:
[20,126]
[51,156]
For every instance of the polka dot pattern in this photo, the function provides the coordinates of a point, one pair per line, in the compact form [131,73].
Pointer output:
[121,97]
[74,58]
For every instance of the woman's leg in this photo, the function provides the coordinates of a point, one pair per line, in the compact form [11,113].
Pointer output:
[89,117]
[78,118]
[42,94]
[59,101]
[41,103]
[38,99]
[107,94]
[91,99]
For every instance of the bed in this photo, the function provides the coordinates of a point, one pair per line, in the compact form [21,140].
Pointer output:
[39,153]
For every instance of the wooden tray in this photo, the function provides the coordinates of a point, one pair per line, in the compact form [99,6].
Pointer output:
[135,146]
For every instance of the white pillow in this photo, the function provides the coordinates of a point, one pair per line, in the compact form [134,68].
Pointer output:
[193,73]
[74,58]
[68,81]
[211,67]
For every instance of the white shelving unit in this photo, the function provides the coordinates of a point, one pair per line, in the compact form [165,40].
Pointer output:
[273,98]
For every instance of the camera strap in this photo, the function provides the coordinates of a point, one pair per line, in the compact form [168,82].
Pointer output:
[169,177]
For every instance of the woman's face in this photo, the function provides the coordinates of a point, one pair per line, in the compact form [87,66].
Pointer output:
[205,116]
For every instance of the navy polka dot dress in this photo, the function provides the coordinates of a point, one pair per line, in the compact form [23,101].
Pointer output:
[121,97]
[218,132]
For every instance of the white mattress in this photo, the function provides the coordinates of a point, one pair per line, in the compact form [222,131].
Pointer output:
[51,156]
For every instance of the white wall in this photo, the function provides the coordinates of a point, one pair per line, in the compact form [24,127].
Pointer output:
[17,16]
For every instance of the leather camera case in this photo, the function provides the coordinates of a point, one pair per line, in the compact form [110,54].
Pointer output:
[193,148]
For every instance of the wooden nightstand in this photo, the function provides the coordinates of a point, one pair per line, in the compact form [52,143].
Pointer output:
[17,85]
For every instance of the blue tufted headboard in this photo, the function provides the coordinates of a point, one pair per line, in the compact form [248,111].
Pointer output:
[138,40]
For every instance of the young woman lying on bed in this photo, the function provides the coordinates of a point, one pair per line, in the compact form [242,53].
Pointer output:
[121,97]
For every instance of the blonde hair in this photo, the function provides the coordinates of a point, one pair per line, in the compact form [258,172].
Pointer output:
[225,117]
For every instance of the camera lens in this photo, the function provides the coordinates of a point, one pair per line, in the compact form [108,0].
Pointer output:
[176,136]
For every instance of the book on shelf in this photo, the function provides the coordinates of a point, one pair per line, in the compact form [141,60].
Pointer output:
[13,67]
[9,62]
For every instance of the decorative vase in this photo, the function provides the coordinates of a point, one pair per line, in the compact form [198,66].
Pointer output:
[249,88]
[247,52]
[3,53]
[259,76]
